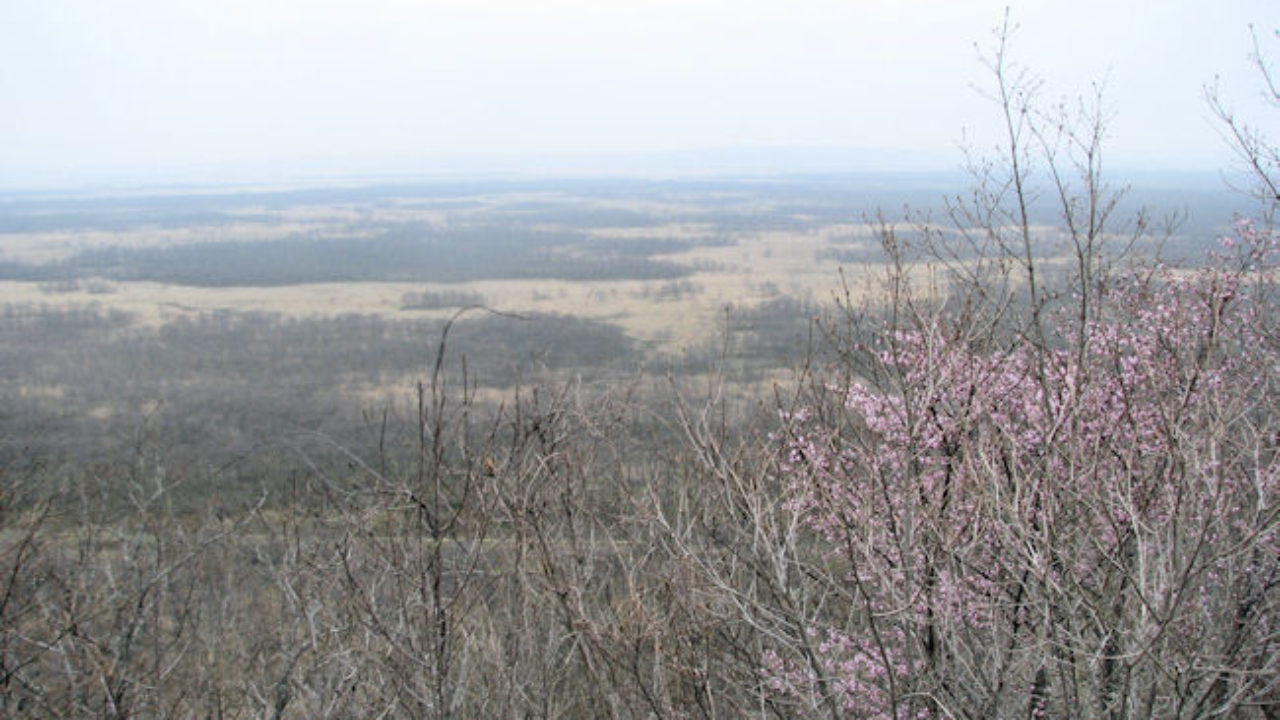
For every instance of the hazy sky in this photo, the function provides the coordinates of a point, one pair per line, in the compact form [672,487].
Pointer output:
[95,87]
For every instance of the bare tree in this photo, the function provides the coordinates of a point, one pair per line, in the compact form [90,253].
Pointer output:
[1259,154]
[1053,497]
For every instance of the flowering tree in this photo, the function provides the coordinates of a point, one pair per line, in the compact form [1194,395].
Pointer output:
[1047,496]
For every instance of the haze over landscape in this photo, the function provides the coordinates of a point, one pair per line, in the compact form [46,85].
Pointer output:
[150,90]
[639,360]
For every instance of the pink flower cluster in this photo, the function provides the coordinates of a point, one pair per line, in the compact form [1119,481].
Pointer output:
[980,489]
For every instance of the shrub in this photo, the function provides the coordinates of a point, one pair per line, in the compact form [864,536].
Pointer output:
[1046,499]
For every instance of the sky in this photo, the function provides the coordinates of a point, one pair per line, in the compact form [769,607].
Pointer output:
[94,90]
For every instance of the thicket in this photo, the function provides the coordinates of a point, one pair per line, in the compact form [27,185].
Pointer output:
[1015,486]
[1050,488]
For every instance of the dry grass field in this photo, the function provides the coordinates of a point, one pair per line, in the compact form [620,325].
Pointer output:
[718,267]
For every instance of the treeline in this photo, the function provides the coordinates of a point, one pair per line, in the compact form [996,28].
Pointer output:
[408,253]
